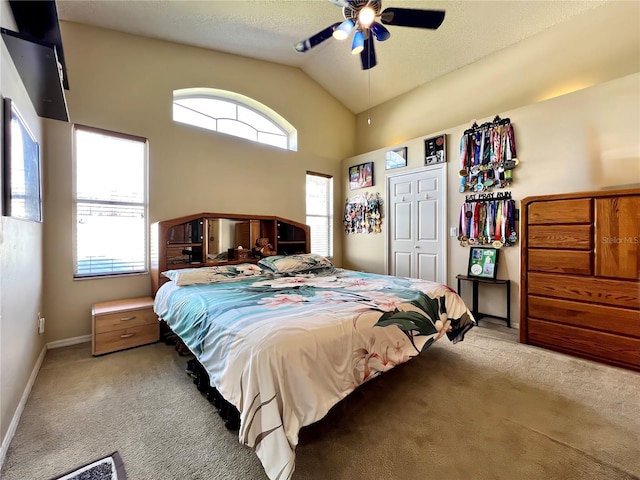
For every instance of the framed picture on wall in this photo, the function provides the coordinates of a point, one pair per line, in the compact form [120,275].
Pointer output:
[21,194]
[483,262]
[435,150]
[361,176]
[396,158]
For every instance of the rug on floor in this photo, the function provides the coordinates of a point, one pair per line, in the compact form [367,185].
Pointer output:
[106,468]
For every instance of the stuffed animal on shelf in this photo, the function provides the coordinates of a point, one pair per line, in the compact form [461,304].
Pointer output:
[263,248]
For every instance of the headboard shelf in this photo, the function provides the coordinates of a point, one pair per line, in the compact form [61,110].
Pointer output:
[205,239]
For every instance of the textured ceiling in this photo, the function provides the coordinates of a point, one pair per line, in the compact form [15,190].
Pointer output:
[268,29]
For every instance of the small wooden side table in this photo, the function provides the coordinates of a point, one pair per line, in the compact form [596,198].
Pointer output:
[121,324]
[474,309]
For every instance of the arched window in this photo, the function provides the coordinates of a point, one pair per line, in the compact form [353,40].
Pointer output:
[233,114]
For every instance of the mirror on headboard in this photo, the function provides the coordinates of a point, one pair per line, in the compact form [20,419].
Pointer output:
[185,241]
[210,238]
[226,233]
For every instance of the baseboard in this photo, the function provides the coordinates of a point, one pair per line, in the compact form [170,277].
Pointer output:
[69,341]
[6,441]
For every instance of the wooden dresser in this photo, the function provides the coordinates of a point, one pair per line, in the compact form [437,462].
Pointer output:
[580,275]
[123,324]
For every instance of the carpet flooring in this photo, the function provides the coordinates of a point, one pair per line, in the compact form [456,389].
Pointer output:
[486,408]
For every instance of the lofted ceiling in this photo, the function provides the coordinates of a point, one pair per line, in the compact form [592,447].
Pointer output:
[268,29]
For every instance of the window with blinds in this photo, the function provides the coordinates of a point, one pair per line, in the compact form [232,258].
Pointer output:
[110,203]
[320,212]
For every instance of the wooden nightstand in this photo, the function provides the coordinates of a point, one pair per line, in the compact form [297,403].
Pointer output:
[121,324]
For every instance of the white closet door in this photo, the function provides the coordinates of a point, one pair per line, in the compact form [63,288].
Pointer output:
[417,224]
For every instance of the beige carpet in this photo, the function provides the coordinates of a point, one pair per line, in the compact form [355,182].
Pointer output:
[486,408]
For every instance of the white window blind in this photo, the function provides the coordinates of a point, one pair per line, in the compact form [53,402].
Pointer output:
[110,203]
[320,213]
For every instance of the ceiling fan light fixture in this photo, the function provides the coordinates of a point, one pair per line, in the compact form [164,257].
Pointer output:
[344,30]
[357,45]
[367,20]
[366,16]
[380,32]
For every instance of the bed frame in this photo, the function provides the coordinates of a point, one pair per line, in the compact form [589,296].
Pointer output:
[226,410]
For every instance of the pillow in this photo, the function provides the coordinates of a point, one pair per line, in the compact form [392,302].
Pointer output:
[204,275]
[295,263]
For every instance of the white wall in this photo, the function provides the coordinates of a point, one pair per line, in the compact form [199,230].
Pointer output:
[124,83]
[567,142]
[20,268]
[599,45]
[582,141]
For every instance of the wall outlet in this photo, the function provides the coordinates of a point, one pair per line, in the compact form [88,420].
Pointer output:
[40,324]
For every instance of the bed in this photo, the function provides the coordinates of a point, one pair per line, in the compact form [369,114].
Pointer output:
[286,339]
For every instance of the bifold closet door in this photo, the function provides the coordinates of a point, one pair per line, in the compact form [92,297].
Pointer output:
[417,241]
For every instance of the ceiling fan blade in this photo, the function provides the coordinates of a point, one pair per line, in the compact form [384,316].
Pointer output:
[412,17]
[340,3]
[380,32]
[368,54]
[313,40]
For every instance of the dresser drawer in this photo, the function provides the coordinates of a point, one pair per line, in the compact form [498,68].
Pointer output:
[126,338]
[560,261]
[605,347]
[124,319]
[617,320]
[560,211]
[567,237]
[585,289]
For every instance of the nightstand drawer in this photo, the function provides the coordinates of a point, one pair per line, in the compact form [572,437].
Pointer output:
[120,324]
[126,338]
[125,319]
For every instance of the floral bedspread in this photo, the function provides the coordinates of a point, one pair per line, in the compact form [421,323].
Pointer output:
[285,349]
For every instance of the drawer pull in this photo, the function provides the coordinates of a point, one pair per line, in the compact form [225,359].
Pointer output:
[127,335]
[126,319]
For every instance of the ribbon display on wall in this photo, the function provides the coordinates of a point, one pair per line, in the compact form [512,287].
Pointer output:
[485,220]
[363,214]
[487,156]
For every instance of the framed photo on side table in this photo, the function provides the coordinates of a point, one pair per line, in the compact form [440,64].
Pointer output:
[21,195]
[483,262]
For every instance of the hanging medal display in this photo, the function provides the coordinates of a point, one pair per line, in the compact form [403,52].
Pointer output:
[488,219]
[487,156]
[363,214]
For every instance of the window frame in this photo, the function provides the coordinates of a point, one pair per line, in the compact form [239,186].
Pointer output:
[330,213]
[238,100]
[145,203]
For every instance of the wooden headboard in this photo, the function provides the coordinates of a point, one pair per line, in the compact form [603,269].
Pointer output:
[203,239]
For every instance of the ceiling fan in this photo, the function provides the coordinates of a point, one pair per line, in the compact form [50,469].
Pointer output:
[360,16]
